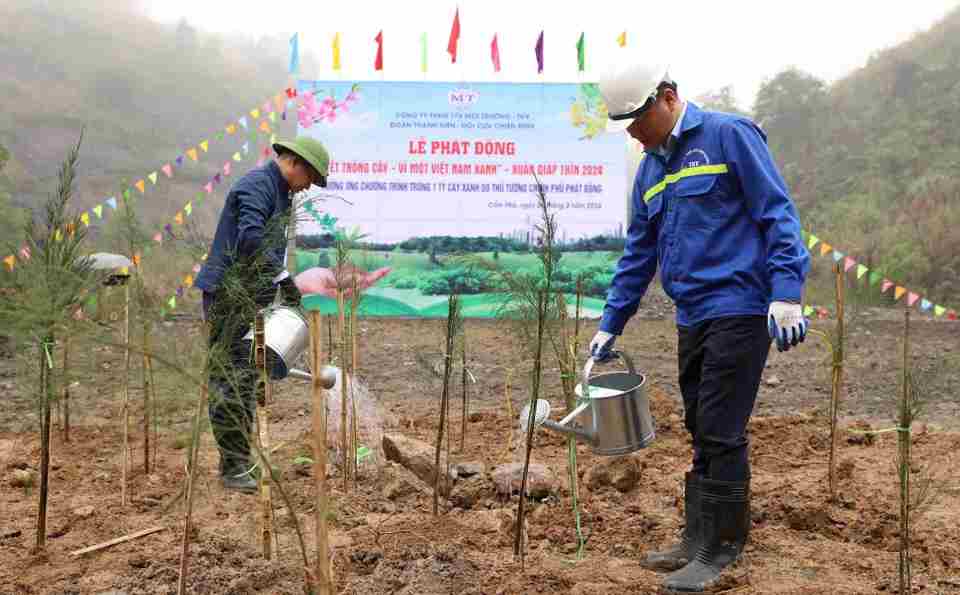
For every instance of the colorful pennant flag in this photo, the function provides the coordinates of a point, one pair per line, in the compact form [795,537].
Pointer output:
[581,54]
[887,284]
[112,203]
[236,156]
[454,37]
[188,281]
[188,209]
[861,271]
[837,256]
[179,160]
[10,261]
[25,253]
[192,154]
[255,112]
[179,218]
[85,218]
[172,302]
[58,236]
[952,315]
[140,186]
[807,310]
[825,249]
[848,264]
[912,298]
[812,241]
[98,211]
[538,52]
[294,53]
[336,59]
[875,278]
[243,121]
[925,304]
[153,178]
[939,310]
[495,53]
[898,292]
[378,61]
[209,187]
[126,194]
[273,116]
[245,148]
[231,128]
[158,237]
[167,170]
[205,145]
[622,39]
[423,53]
[226,168]
[265,126]
[136,259]
[196,268]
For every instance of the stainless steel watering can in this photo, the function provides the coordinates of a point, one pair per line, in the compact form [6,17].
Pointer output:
[612,414]
[287,336]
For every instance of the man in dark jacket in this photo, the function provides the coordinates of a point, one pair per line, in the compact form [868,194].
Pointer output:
[244,268]
[711,211]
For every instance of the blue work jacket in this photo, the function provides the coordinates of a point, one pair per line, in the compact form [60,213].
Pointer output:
[253,201]
[717,218]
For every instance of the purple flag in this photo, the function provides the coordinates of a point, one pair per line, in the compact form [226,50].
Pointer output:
[180,291]
[168,228]
[179,160]
[538,50]
[216,179]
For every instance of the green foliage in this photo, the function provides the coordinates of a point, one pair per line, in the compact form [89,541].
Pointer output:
[871,160]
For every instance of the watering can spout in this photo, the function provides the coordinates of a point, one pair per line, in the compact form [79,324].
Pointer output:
[566,425]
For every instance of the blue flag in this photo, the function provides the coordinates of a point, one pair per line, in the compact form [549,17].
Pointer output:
[294,53]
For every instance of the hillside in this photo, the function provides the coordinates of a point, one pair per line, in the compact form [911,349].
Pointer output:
[144,91]
[872,159]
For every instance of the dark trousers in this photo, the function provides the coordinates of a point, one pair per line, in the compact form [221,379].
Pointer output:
[721,362]
[232,379]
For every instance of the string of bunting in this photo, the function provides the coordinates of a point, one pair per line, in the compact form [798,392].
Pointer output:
[874,278]
[258,122]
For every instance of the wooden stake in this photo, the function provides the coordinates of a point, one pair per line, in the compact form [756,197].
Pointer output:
[45,373]
[903,442]
[146,396]
[125,393]
[66,386]
[117,541]
[322,572]
[191,477]
[836,382]
[344,382]
[265,524]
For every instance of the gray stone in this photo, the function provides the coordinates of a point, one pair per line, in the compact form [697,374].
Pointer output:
[541,481]
[418,457]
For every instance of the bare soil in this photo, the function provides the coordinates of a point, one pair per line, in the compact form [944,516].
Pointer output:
[386,540]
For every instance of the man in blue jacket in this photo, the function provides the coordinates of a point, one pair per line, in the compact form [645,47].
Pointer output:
[244,268]
[712,211]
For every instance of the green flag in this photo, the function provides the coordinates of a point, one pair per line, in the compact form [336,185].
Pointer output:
[423,53]
[581,54]
[875,277]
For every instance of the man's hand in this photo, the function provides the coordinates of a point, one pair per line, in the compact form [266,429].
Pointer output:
[786,324]
[600,346]
[319,280]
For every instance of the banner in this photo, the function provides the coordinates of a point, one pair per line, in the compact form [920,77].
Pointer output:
[429,169]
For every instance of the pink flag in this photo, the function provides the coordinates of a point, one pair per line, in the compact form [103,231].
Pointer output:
[848,263]
[158,237]
[912,298]
[886,286]
[209,187]
[167,170]
[495,53]
[226,168]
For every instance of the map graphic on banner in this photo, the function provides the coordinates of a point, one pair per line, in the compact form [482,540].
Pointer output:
[430,169]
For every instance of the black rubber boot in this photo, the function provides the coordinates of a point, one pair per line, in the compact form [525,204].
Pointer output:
[725,525]
[234,474]
[677,555]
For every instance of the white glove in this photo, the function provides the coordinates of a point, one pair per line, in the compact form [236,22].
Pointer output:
[600,346]
[786,324]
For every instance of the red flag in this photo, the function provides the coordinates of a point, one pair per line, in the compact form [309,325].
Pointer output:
[495,53]
[454,37]
[378,63]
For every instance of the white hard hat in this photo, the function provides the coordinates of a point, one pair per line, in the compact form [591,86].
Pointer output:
[629,88]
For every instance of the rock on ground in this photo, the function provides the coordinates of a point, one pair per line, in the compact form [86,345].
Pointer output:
[418,457]
[622,473]
[541,480]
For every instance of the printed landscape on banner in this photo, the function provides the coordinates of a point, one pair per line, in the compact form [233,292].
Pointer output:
[428,169]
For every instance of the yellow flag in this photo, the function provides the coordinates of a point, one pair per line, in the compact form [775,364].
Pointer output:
[58,236]
[205,146]
[188,281]
[192,154]
[85,217]
[336,52]
[10,261]
[188,207]
[179,218]
[898,292]
[140,186]
[255,113]
[622,39]
[825,249]
[231,128]
[264,126]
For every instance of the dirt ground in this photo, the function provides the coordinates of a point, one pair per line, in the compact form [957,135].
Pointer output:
[385,539]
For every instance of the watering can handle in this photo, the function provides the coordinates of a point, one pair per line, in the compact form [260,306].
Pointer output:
[588,367]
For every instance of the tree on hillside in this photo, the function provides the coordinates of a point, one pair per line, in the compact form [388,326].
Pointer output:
[12,222]
[720,100]
[793,108]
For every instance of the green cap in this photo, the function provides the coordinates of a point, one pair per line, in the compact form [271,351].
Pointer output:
[310,149]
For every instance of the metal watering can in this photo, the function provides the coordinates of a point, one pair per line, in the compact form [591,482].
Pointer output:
[613,414]
[287,336]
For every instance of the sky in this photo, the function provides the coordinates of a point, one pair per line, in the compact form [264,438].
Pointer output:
[707,45]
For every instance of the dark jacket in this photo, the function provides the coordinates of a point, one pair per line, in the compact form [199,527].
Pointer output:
[718,221]
[255,199]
